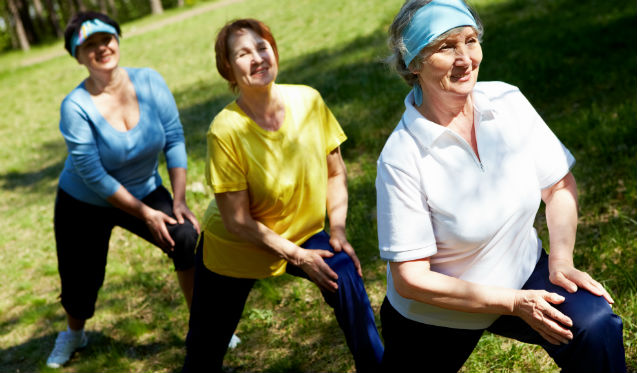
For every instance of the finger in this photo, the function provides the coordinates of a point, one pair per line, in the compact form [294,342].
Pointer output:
[191,217]
[336,244]
[598,289]
[166,236]
[553,298]
[594,287]
[324,282]
[179,216]
[549,338]
[169,220]
[323,253]
[352,254]
[328,271]
[556,331]
[560,280]
[558,316]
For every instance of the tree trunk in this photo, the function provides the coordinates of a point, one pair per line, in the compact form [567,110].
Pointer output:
[80,5]
[112,8]
[18,26]
[53,18]
[11,30]
[180,3]
[39,16]
[156,7]
[27,23]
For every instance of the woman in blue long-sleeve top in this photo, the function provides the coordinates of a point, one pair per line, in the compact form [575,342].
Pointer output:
[115,124]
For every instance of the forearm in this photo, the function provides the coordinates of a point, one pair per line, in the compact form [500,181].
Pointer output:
[417,282]
[337,200]
[561,219]
[123,200]
[261,236]
[237,219]
[337,197]
[178,183]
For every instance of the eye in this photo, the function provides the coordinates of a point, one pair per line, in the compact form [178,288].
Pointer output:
[446,47]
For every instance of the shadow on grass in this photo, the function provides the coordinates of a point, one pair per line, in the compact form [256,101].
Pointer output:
[574,61]
[40,172]
[101,348]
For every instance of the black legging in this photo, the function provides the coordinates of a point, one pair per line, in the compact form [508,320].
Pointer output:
[82,233]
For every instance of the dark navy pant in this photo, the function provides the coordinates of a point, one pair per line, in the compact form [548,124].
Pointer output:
[597,345]
[218,303]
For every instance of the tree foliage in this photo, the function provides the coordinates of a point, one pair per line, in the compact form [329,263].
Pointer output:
[25,23]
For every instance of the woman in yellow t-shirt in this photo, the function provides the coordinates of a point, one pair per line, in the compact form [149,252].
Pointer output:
[275,166]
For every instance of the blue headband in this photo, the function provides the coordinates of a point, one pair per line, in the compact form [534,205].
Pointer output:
[89,28]
[429,22]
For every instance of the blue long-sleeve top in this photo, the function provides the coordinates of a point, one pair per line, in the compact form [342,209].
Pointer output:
[101,158]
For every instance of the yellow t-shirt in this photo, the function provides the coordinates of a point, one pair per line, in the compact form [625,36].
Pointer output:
[284,172]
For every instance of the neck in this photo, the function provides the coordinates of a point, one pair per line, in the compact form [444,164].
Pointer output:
[263,105]
[105,82]
[445,110]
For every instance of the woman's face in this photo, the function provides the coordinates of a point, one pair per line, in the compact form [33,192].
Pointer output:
[99,52]
[452,67]
[252,59]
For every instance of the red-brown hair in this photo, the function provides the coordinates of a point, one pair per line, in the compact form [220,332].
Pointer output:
[222,49]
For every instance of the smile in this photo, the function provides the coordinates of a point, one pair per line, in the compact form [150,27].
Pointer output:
[461,77]
[260,70]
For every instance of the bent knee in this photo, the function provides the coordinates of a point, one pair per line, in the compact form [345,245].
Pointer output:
[185,237]
[341,263]
[597,319]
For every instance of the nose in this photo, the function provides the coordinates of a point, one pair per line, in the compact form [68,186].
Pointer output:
[256,57]
[463,57]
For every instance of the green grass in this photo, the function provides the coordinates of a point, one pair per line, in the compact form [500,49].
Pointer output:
[574,60]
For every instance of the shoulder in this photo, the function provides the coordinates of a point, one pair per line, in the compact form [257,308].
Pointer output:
[498,92]
[142,72]
[228,121]
[75,100]
[299,89]
[145,76]
[300,93]
[400,149]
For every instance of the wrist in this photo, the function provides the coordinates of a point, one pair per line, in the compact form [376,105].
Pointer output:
[337,228]
[557,259]
[510,301]
[294,255]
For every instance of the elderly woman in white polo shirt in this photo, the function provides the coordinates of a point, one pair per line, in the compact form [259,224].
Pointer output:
[459,183]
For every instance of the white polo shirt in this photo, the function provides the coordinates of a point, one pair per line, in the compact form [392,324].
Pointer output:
[473,217]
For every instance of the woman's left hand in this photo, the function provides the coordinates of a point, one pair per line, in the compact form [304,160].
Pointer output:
[181,212]
[563,273]
[339,242]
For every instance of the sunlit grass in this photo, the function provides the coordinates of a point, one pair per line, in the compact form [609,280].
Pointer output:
[574,61]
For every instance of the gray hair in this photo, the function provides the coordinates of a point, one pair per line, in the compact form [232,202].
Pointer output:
[397,46]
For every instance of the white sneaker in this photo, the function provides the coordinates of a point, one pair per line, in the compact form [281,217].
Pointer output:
[234,341]
[65,346]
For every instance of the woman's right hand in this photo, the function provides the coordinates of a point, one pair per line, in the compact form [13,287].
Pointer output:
[535,308]
[311,261]
[156,222]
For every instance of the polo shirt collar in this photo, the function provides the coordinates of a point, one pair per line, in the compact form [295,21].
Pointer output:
[426,132]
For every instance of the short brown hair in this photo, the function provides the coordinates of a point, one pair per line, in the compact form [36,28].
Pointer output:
[222,49]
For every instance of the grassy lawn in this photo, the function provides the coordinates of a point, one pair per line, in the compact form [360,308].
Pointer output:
[574,60]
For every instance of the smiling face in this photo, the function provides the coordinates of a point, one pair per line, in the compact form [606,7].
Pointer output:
[451,67]
[252,60]
[99,52]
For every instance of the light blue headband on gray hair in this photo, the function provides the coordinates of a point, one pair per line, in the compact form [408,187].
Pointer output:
[429,22]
